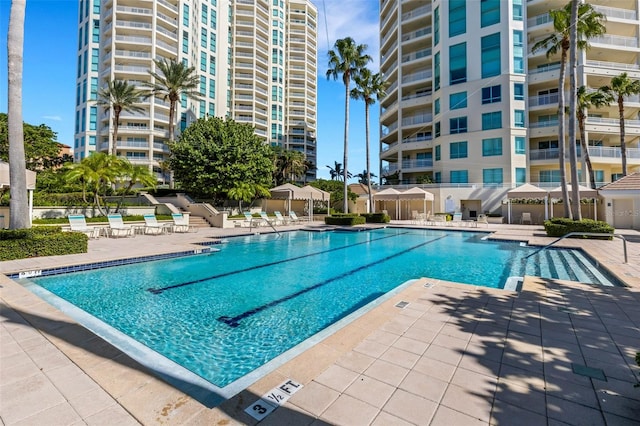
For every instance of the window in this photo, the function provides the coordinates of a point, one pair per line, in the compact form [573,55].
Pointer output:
[520,145]
[436,106]
[212,42]
[212,65]
[94,88]
[518,52]
[80,38]
[95,37]
[492,120]
[203,85]
[92,140]
[598,175]
[549,176]
[521,175]
[436,71]
[437,129]
[93,117]
[459,176]
[491,176]
[458,63]
[185,15]
[457,150]
[437,177]
[517,10]
[518,91]
[457,17]
[436,26]
[83,121]
[214,19]
[183,100]
[96,8]
[491,147]
[491,94]
[490,59]
[437,152]
[458,125]
[489,12]
[95,56]
[204,14]
[203,61]
[458,100]
[212,88]
[185,42]
[203,37]
[203,108]
[518,118]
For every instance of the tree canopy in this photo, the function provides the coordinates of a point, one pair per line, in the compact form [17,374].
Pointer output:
[213,154]
[40,146]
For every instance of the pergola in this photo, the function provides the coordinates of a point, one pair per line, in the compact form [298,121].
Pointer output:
[290,192]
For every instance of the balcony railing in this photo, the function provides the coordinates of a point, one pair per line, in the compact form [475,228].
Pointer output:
[543,100]
[417,119]
[594,152]
[424,138]
[539,20]
[389,146]
[551,123]
[422,75]
[390,169]
[615,40]
[416,164]
[615,65]
[614,12]
[612,121]
[422,10]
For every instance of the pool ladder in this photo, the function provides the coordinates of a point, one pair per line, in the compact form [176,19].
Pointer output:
[269,223]
[586,234]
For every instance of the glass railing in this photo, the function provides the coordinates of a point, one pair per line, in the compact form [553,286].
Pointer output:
[614,12]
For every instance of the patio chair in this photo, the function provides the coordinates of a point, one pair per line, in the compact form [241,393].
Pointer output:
[153,227]
[415,217]
[248,220]
[279,218]
[293,217]
[265,220]
[526,217]
[482,218]
[181,223]
[117,228]
[456,221]
[78,223]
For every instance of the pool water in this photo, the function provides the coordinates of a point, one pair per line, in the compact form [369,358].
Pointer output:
[222,315]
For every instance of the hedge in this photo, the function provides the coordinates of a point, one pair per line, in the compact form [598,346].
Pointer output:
[345,220]
[376,217]
[559,226]
[40,241]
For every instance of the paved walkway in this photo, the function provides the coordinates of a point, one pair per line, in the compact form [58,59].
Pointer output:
[555,353]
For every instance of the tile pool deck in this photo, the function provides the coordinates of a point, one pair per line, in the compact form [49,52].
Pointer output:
[454,355]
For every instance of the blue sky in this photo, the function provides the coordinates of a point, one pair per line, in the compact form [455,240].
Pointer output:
[50,63]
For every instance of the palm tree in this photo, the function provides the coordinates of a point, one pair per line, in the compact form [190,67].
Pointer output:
[19,205]
[133,174]
[369,87]
[119,96]
[586,100]
[364,178]
[347,60]
[573,157]
[245,191]
[290,165]
[174,80]
[97,172]
[589,24]
[621,87]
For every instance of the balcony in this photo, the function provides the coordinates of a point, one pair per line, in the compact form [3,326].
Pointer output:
[417,164]
[614,12]
[415,13]
[417,119]
[596,153]
[421,75]
[614,40]
[542,100]
[389,170]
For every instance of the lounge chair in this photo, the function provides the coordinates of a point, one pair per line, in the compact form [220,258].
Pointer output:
[78,223]
[482,218]
[456,221]
[526,217]
[153,227]
[181,223]
[248,220]
[117,228]
[266,220]
[279,218]
[293,217]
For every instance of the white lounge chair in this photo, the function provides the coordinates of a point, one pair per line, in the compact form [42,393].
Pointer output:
[181,223]
[265,219]
[117,228]
[482,218]
[153,227]
[78,223]
[526,217]
[293,217]
[279,218]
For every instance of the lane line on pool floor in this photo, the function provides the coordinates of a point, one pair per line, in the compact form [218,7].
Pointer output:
[235,321]
[265,265]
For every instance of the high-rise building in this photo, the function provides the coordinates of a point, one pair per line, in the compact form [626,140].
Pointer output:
[469,102]
[256,61]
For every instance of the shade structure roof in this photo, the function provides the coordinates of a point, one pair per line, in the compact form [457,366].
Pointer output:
[4,177]
[291,192]
[527,191]
[584,192]
[416,193]
[318,194]
[387,194]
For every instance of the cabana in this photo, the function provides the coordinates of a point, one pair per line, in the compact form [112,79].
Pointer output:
[528,191]
[292,192]
[585,193]
[416,193]
[388,194]
[5,183]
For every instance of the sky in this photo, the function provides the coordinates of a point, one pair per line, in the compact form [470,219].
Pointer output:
[49,79]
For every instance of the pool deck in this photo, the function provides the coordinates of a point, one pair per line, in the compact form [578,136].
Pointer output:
[555,353]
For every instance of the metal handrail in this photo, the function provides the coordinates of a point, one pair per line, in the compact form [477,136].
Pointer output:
[268,222]
[586,234]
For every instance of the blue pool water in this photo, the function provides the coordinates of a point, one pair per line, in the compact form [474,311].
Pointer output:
[222,315]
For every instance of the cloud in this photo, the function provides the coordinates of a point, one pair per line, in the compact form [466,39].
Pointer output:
[52,117]
[358,19]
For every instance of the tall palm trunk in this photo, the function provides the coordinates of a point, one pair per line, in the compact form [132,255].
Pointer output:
[561,130]
[116,121]
[623,145]
[585,149]
[345,203]
[366,122]
[573,158]
[172,116]
[19,204]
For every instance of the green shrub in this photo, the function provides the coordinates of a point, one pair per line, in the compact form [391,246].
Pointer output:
[376,217]
[559,226]
[345,220]
[40,241]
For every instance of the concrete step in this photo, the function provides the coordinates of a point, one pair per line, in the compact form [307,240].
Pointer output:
[198,222]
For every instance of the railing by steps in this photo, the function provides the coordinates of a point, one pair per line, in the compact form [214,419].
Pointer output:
[586,234]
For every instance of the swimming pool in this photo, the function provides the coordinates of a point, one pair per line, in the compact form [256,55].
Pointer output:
[222,315]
